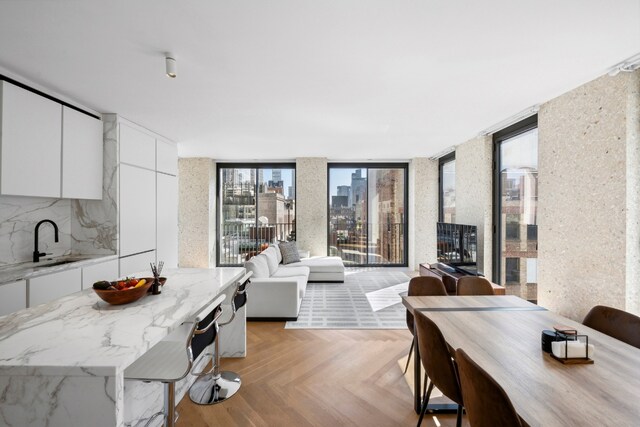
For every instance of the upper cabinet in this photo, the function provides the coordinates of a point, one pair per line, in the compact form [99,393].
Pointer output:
[167,157]
[46,148]
[30,142]
[137,147]
[81,155]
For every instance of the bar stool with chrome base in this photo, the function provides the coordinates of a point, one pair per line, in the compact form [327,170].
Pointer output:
[171,359]
[215,387]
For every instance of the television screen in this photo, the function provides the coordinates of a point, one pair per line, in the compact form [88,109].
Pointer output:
[457,244]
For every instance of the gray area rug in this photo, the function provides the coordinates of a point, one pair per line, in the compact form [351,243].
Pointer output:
[346,306]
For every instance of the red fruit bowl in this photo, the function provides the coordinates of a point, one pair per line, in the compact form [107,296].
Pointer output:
[124,296]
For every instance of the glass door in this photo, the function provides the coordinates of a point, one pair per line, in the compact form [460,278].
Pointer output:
[517,201]
[256,208]
[367,214]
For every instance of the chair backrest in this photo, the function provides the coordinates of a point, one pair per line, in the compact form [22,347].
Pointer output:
[474,285]
[424,286]
[206,326]
[485,400]
[615,323]
[436,358]
[240,295]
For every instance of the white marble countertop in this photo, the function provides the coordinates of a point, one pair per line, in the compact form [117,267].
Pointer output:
[29,270]
[82,335]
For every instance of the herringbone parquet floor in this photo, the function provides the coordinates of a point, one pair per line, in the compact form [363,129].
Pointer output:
[322,378]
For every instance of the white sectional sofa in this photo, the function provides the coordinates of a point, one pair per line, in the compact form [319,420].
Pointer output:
[277,289]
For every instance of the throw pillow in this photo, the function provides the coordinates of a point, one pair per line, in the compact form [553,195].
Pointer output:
[289,252]
[258,265]
[278,254]
[272,259]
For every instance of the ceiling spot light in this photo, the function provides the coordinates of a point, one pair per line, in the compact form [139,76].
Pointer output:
[172,68]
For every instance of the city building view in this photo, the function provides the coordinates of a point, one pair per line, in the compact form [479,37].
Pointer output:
[367,221]
[518,215]
[257,208]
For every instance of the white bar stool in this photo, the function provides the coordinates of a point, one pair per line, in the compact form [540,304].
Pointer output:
[216,387]
[171,359]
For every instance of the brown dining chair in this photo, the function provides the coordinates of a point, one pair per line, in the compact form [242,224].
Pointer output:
[615,323]
[474,285]
[420,287]
[438,363]
[485,401]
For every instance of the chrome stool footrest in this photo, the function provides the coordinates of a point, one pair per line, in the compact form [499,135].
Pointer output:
[211,389]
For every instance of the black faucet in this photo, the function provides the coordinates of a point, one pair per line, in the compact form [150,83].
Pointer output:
[36,253]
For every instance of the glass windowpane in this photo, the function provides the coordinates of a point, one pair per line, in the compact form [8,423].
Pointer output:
[518,216]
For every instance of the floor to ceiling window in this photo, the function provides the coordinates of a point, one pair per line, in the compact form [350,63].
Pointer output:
[447,191]
[256,206]
[515,204]
[367,213]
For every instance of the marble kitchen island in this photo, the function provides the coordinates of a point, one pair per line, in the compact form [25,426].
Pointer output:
[62,363]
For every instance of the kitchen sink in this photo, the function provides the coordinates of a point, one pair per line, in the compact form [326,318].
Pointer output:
[55,263]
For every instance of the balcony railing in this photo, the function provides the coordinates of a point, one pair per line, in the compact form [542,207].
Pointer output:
[375,244]
[239,242]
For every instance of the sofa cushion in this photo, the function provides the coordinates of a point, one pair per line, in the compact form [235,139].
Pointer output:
[278,253]
[272,259]
[289,252]
[292,271]
[320,264]
[258,265]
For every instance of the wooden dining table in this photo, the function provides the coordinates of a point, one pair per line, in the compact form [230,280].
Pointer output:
[503,335]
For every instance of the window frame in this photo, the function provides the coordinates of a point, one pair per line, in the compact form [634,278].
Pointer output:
[499,137]
[441,162]
[246,165]
[367,166]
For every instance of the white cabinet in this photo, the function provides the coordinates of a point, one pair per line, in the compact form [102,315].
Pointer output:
[167,220]
[137,210]
[13,297]
[31,138]
[53,286]
[167,157]
[137,147]
[103,271]
[136,264]
[81,155]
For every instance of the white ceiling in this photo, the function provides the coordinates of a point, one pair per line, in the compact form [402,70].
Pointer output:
[368,79]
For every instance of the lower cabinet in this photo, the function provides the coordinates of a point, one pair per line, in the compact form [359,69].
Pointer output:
[104,271]
[53,286]
[13,297]
[136,264]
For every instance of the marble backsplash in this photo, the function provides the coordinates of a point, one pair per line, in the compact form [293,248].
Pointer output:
[18,218]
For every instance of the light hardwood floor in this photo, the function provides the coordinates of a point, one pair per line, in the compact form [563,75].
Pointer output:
[316,378]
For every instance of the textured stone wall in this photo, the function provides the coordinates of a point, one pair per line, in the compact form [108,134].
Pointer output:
[423,211]
[633,194]
[197,212]
[582,205]
[474,192]
[311,204]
